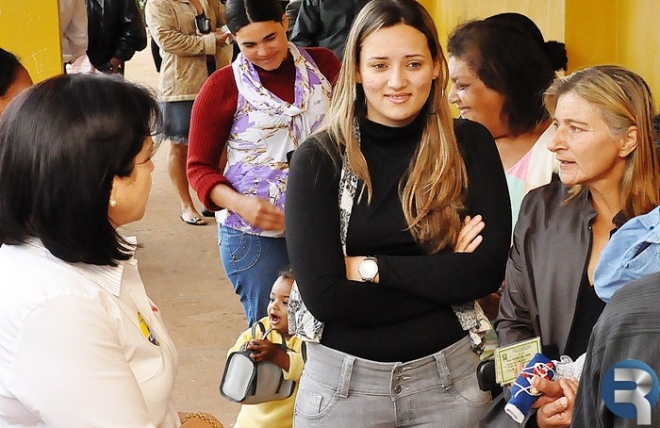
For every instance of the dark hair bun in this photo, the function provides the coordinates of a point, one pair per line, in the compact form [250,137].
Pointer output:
[556,53]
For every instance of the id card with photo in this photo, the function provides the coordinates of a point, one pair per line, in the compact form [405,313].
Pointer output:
[507,357]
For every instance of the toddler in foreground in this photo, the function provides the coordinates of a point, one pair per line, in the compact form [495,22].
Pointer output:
[273,414]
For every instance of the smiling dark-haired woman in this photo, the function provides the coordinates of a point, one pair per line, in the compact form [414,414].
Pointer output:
[82,344]
[245,120]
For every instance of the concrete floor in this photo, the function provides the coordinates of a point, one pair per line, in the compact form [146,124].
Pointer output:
[183,275]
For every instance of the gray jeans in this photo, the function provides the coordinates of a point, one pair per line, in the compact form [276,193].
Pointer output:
[339,390]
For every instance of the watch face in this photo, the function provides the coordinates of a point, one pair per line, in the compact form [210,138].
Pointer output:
[368,269]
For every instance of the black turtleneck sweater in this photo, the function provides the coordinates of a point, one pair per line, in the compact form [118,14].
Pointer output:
[408,314]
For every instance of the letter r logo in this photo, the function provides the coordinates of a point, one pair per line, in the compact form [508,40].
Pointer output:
[630,388]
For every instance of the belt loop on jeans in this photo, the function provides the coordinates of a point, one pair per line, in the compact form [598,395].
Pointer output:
[443,370]
[345,376]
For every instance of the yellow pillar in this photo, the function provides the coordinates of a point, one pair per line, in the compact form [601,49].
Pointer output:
[429,5]
[31,31]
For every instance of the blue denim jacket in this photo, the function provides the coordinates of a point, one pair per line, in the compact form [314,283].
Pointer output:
[633,252]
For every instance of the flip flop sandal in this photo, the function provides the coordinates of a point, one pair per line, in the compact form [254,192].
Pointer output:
[195,221]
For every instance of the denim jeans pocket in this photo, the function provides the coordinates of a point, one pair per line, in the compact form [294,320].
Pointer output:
[460,376]
[313,400]
[244,249]
[466,389]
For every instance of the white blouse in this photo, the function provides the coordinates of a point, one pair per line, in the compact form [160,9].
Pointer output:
[80,345]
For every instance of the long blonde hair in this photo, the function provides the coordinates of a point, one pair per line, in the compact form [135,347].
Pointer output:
[623,99]
[432,190]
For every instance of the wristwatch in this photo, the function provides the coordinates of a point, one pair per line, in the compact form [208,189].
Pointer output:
[368,269]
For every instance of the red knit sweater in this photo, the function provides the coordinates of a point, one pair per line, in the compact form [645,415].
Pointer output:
[213,113]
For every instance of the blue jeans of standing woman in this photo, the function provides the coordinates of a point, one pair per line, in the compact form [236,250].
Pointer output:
[252,264]
[436,391]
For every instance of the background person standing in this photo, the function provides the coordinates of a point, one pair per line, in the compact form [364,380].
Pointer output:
[188,58]
[73,27]
[325,23]
[115,32]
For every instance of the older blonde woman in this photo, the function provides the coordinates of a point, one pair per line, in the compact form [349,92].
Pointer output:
[609,173]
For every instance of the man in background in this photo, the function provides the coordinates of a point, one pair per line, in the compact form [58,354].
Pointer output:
[326,23]
[116,31]
[73,29]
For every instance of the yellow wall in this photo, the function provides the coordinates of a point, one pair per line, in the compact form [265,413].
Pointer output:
[618,32]
[30,30]
[591,41]
[623,32]
[638,45]
[547,14]
[595,31]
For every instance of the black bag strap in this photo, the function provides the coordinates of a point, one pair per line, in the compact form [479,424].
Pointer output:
[253,390]
[283,346]
[303,346]
[283,341]
[255,379]
[261,328]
